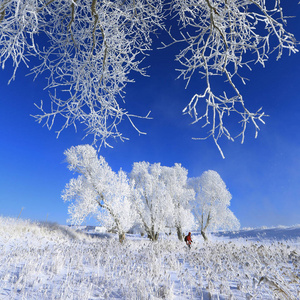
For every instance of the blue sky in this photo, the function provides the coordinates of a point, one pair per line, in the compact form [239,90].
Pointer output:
[263,174]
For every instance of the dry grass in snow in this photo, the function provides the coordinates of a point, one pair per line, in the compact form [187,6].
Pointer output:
[47,261]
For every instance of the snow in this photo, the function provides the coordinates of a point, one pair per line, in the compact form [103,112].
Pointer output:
[280,233]
[49,261]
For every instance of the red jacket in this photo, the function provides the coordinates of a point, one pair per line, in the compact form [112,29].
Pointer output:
[188,238]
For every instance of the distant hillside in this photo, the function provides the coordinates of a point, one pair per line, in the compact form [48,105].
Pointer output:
[279,233]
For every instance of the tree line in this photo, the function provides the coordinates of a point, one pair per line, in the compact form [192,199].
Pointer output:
[156,198]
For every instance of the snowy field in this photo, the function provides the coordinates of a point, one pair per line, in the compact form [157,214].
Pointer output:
[47,261]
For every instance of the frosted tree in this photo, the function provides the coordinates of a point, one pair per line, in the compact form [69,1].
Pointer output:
[88,50]
[151,199]
[211,203]
[98,191]
[175,180]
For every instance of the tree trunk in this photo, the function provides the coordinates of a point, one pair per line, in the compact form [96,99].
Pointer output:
[179,233]
[121,237]
[203,230]
[152,235]
[204,235]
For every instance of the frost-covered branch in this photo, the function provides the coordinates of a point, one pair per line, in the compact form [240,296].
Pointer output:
[220,37]
[88,51]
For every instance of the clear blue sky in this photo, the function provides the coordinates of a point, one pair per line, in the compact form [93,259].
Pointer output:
[263,174]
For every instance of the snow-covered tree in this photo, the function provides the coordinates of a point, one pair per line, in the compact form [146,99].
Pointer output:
[211,203]
[161,198]
[88,49]
[98,191]
[150,197]
[175,180]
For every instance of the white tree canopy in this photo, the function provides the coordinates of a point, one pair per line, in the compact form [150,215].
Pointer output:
[175,180]
[151,199]
[162,198]
[88,50]
[98,191]
[157,197]
[211,203]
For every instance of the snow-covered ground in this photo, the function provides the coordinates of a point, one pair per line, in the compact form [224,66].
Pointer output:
[280,233]
[48,261]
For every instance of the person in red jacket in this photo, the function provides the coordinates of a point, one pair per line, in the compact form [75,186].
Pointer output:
[188,240]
